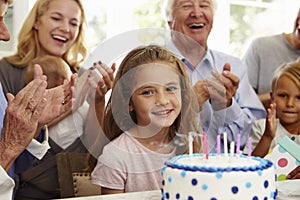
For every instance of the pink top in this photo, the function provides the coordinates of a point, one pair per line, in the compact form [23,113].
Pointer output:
[127,164]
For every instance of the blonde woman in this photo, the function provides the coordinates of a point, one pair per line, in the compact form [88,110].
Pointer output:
[56,28]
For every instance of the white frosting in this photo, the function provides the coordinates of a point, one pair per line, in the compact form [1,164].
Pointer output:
[218,178]
[218,161]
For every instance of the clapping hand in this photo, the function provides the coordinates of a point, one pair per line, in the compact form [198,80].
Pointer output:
[59,99]
[21,120]
[96,81]
[104,82]
[222,88]
[271,122]
[201,91]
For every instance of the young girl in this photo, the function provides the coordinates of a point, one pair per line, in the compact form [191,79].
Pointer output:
[285,104]
[151,102]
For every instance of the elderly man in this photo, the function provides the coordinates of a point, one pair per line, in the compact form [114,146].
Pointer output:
[228,102]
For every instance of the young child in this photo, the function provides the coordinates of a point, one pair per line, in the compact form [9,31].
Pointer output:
[285,96]
[72,126]
[151,102]
[56,69]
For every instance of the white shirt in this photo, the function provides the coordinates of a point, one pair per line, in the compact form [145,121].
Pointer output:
[70,128]
[6,185]
[38,149]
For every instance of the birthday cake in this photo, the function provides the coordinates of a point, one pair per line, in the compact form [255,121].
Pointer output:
[218,177]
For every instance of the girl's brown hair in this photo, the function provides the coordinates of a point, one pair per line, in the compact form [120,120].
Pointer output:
[184,123]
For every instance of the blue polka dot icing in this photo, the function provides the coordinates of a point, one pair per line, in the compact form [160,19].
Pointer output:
[163,170]
[212,174]
[274,194]
[194,182]
[234,189]
[262,164]
[219,175]
[170,179]
[266,184]
[259,172]
[167,195]
[248,185]
[204,187]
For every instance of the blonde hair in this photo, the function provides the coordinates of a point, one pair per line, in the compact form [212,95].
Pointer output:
[291,70]
[28,45]
[55,68]
[296,21]
[183,124]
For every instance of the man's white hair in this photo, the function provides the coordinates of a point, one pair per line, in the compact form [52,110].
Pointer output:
[169,5]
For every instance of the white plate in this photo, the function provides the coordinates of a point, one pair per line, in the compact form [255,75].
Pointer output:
[288,190]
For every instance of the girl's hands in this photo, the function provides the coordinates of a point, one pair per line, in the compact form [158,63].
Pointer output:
[95,83]
[101,79]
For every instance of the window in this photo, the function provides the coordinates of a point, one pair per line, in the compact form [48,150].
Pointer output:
[237,22]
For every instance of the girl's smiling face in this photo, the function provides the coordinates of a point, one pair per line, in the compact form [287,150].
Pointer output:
[156,97]
[287,99]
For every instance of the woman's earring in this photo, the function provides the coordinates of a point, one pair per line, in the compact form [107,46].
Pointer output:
[130,108]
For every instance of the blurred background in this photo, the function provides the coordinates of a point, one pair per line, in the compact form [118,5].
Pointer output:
[237,22]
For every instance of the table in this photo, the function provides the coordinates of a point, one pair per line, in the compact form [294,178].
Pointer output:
[287,190]
[146,195]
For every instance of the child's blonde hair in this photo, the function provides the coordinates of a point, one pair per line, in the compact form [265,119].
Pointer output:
[55,68]
[183,124]
[291,70]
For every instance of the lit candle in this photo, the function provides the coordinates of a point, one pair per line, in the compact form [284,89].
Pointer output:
[231,149]
[190,138]
[225,144]
[218,145]
[249,146]
[238,144]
